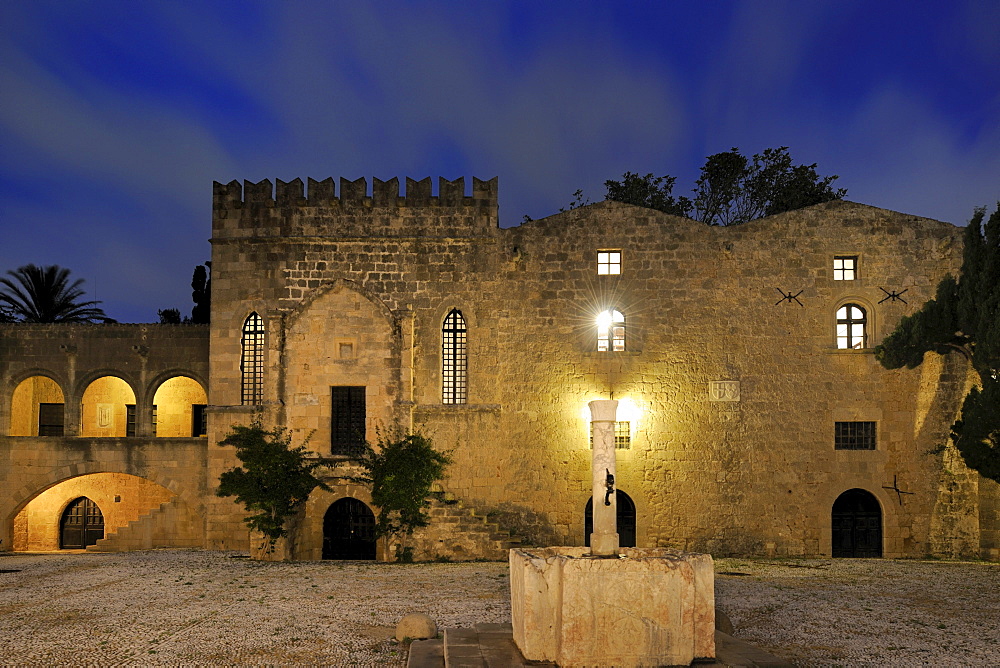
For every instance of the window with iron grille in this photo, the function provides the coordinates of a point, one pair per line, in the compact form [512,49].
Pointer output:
[199,420]
[347,421]
[454,360]
[252,360]
[852,327]
[609,262]
[50,419]
[623,436]
[611,331]
[854,436]
[845,267]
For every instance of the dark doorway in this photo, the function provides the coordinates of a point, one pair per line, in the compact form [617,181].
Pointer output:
[625,517]
[82,524]
[349,530]
[857,525]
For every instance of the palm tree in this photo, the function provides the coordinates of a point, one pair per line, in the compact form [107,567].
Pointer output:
[44,294]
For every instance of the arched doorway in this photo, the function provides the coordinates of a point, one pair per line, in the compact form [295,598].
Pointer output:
[82,524]
[349,530]
[857,525]
[625,519]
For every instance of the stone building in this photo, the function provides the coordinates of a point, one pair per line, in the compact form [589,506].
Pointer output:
[753,417]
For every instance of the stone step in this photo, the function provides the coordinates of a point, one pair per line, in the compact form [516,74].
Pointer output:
[484,646]
[492,646]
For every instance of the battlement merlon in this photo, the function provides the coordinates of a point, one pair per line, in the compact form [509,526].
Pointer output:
[353,193]
[288,210]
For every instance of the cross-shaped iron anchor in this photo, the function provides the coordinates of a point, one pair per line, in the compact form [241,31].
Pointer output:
[789,297]
[894,296]
[895,488]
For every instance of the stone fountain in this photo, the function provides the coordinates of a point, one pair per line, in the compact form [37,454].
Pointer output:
[606,605]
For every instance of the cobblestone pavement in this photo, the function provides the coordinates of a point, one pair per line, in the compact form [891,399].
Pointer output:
[865,612]
[171,607]
[212,608]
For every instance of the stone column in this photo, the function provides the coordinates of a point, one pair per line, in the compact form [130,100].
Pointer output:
[604,539]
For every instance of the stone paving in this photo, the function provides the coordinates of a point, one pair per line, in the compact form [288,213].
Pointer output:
[190,607]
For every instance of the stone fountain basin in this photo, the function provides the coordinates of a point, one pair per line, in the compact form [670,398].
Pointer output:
[647,607]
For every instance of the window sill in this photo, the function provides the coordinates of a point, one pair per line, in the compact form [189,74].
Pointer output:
[458,408]
[850,351]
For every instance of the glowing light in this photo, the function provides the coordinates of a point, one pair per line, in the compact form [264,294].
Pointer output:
[604,320]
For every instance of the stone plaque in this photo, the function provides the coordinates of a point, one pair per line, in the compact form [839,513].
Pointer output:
[724,390]
[105,415]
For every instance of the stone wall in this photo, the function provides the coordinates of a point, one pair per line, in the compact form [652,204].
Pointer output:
[702,304]
[353,287]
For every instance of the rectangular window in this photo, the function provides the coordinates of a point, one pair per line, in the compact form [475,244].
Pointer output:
[609,262]
[347,421]
[50,419]
[199,420]
[845,267]
[854,436]
[623,438]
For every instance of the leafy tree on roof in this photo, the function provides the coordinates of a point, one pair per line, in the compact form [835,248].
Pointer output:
[44,294]
[963,317]
[732,189]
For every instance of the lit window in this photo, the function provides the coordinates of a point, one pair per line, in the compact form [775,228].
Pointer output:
[609,262]
[454,361]
[623,438]
[845,267]
[852,323]
[611,331]
[252,360]
[854,436]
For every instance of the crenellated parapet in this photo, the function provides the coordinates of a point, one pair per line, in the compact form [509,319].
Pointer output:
[324,208]
[355,193]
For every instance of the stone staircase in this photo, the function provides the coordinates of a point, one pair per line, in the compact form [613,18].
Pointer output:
[171,524]
[458,532]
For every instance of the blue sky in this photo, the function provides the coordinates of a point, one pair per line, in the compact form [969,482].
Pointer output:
[115,118]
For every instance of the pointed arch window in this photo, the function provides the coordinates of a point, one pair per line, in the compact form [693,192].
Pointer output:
[611,331]
[454,360]
[852,327]
[252,360]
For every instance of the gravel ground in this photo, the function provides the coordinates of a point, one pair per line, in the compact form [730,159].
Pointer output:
[865,612]
[171,607]
[196,608]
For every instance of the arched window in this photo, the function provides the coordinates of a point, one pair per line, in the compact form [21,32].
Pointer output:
[852,327]
[454,360]
[611,331]
[252,359]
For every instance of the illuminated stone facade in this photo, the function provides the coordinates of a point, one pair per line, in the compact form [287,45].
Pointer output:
[731,380]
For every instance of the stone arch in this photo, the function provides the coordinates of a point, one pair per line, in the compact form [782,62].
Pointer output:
[90,376]
[176,416]
[308,539]
[337,285]
[122,497]
[341,340]
[28,406]
[153,385]
[94,422]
